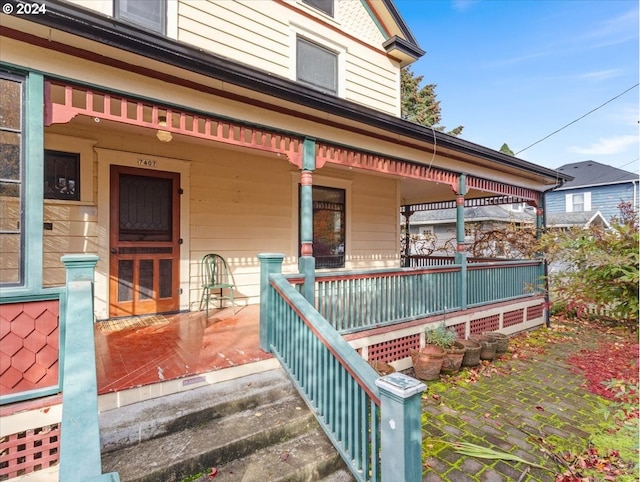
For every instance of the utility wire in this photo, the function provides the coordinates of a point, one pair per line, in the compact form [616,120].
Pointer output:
[574,121]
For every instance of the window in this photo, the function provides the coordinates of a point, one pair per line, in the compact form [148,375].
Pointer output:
[150,14]
[316,66]
[578,202]
[11,179]
[61,175]
[329,226]
[325,6]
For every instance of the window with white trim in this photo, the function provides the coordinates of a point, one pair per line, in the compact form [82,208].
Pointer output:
[150,14]
[578,202]
[316,66]
[11,179]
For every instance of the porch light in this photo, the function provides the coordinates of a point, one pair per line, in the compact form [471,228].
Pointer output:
[163,136]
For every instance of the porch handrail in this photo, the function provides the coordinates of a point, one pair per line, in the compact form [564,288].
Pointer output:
[357,300]
[491,282]
[350,401]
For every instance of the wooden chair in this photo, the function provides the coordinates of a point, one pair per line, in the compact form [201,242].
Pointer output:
[216,278]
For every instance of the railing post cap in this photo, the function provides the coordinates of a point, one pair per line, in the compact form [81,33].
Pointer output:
[270,256]
[70,259]
[401,385]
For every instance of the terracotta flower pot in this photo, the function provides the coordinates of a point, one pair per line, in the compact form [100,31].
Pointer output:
[453,358]
[471,354]
[427,364]
[488,350]
[501,339]
[381,367]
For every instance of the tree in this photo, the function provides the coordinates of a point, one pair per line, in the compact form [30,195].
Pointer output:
[419,104]
[596,268]
[505,149]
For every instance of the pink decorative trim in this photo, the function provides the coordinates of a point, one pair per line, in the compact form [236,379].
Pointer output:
[306,249]
[64,101]
[371,162]
[306,178]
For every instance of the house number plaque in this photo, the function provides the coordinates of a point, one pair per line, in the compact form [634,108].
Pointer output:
[146,163]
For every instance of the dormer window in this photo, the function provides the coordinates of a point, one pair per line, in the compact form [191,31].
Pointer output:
[325,6]
[316,66]
[149,14]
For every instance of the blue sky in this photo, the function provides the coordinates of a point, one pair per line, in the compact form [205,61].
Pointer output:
[515,71]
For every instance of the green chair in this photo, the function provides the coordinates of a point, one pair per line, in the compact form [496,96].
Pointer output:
[216,278]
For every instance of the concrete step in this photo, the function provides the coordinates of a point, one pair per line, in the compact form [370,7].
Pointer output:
[253,428]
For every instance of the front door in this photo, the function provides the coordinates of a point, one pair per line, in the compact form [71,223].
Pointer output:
[144,241]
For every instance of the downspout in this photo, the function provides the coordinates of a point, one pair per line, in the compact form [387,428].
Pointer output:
[545,265]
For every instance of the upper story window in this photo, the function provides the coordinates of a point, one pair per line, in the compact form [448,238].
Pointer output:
[316,66]
[11,179]
[150,14]
[325,6]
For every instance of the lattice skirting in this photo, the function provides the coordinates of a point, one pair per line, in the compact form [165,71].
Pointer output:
[29,451]
[395,345]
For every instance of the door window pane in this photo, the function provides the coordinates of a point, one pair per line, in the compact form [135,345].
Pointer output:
[125,280]
[145,284]
[145,208]
[166,278]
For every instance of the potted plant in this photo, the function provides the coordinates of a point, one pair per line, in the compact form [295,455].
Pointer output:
[440,344]
[447,339]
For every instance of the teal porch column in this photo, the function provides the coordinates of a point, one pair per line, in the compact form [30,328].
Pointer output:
[461,255]
[406,212]
[401,431]
[269,263]
[306,262]
[539,221]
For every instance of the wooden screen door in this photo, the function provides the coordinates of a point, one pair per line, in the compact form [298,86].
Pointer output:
[144,241]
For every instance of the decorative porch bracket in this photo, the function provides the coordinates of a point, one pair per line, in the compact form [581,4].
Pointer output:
[80,436]
[401,433]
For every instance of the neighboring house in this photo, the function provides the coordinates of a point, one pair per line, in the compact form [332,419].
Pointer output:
[595,191]
[434,232]
[152,133]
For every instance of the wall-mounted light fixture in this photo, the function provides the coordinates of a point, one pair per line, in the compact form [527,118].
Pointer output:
[163,136]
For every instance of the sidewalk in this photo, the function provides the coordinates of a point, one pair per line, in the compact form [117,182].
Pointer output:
[518,405]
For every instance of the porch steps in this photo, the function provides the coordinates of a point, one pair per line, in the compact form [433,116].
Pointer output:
[251,429]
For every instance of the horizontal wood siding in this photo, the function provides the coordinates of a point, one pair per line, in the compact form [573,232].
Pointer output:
[243,31]
[374,225]
[74,230]
[241,205]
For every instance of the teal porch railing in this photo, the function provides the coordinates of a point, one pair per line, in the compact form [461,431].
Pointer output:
[373,422]
[499,281]
[358,300]
[353,301]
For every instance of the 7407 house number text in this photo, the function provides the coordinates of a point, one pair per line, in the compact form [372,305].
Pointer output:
[24,8]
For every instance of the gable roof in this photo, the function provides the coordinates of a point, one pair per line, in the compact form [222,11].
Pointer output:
[581,218]
[592,173]
[471,214]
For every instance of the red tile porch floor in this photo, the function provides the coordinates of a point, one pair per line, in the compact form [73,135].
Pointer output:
[189,344]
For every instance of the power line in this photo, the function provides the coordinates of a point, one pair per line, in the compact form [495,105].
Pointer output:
[574,121]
